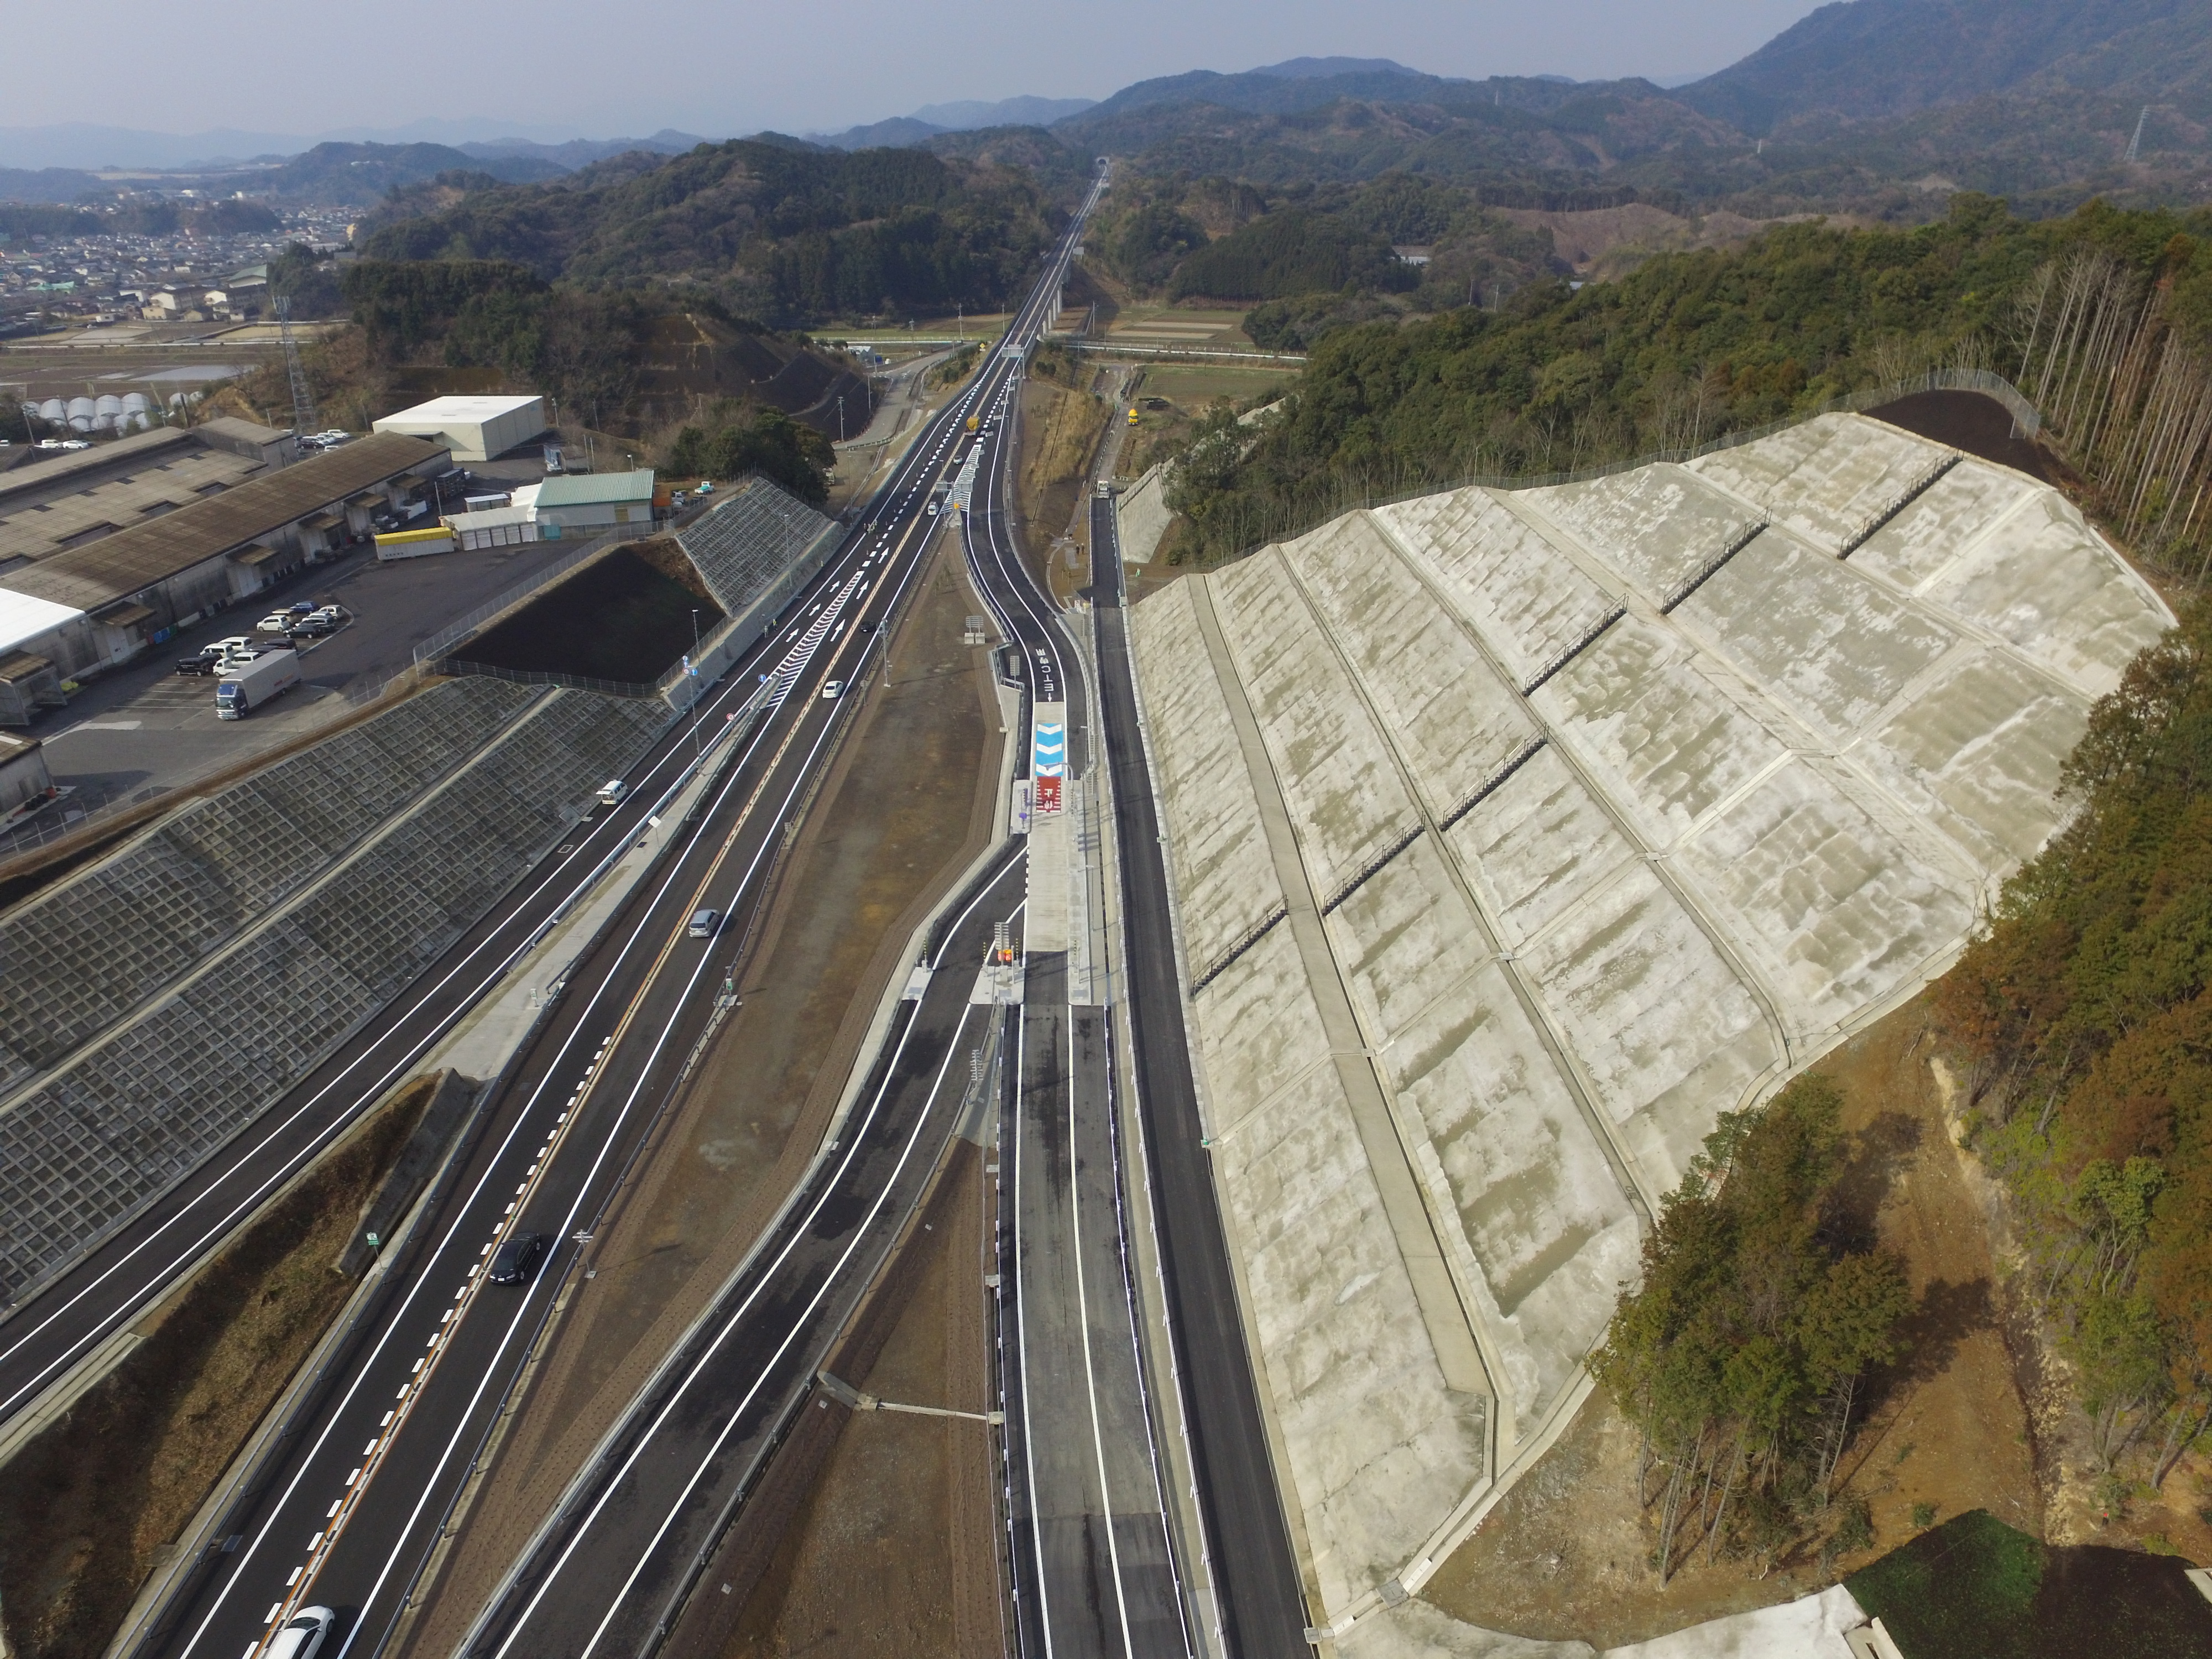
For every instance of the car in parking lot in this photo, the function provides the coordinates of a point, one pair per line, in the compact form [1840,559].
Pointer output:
[275,622]
[515,1263]
[312,628]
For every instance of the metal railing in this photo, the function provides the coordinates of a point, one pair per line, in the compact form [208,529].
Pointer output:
[461,627]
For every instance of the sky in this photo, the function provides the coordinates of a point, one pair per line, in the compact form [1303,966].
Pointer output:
[720,68]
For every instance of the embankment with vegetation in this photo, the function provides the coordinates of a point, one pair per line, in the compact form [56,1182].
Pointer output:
[2104,317]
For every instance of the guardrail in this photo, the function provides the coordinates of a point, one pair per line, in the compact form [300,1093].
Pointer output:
[1196,354]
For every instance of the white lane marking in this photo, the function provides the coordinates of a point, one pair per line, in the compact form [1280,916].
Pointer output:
[798,1327]
[1021,1349]
[905,582]
[1090,1373]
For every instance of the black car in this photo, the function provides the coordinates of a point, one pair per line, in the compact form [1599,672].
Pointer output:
[195,665]
[515,1263]
[311,628]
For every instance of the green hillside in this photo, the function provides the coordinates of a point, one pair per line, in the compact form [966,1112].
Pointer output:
[786,235]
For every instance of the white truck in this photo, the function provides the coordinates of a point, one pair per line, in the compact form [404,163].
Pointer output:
[248,685]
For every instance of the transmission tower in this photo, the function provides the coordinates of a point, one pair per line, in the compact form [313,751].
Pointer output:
[303,406]
[2135,144]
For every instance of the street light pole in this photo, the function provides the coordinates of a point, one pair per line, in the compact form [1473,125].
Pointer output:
[695,687]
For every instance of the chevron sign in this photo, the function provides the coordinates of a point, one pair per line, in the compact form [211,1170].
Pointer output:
[1048,753]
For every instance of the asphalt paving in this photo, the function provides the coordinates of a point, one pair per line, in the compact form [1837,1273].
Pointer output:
[1262,1600]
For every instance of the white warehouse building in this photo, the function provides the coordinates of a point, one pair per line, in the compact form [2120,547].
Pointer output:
[473,429]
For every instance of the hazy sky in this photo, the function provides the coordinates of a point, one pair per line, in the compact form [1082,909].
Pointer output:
[721,69]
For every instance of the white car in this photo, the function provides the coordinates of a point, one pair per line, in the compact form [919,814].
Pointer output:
[275,622]
[302,1634]
[833,689]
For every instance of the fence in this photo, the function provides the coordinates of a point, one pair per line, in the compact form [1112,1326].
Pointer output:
[453,632]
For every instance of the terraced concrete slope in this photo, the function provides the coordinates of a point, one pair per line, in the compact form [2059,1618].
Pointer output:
[1517,835]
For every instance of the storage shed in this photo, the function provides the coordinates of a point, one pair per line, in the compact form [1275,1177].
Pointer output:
[473,429]
[596,500]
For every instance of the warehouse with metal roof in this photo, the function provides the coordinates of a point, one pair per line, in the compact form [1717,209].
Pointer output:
[108,599]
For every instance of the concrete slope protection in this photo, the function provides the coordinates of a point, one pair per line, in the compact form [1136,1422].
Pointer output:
[74,1310]
[1515,834]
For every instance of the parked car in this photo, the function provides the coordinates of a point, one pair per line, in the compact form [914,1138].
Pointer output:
[275,622]
[202,664]
[516,1261]
[301,608]
[327,613]
[312,628]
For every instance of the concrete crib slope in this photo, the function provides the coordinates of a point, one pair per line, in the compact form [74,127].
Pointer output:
[80,955]
[1517,834]
[139,1108]
[748,540]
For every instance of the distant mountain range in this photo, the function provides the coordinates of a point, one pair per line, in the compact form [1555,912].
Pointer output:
[1854,109]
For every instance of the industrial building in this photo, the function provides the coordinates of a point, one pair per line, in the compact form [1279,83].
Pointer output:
[594,500]
[23,775]
[1515,835]
[49,507]
[471,428]
[90,607]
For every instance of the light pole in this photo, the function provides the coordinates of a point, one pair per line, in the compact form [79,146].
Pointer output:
[691,666]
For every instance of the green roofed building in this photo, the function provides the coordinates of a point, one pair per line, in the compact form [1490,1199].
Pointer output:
[595,500]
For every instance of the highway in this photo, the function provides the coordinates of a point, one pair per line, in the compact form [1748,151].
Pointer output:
[1094,1567]
[1263,1611]
[611,1570]
[348,1510]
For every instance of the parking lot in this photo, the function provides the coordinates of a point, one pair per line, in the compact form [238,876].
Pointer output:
[145,729]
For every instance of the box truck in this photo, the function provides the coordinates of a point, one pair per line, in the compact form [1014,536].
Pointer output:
[251,684]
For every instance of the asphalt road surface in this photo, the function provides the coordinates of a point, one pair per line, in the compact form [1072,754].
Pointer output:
[611,1570]
[347,1513]
[1263,1603]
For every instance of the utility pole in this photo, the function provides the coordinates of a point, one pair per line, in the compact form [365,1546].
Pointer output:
[303,406]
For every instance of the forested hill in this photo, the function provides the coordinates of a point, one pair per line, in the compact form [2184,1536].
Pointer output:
[1686,348]
[1884,57]
[786,235]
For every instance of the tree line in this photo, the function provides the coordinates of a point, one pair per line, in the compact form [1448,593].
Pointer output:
[1692,346]
[2083,1016]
